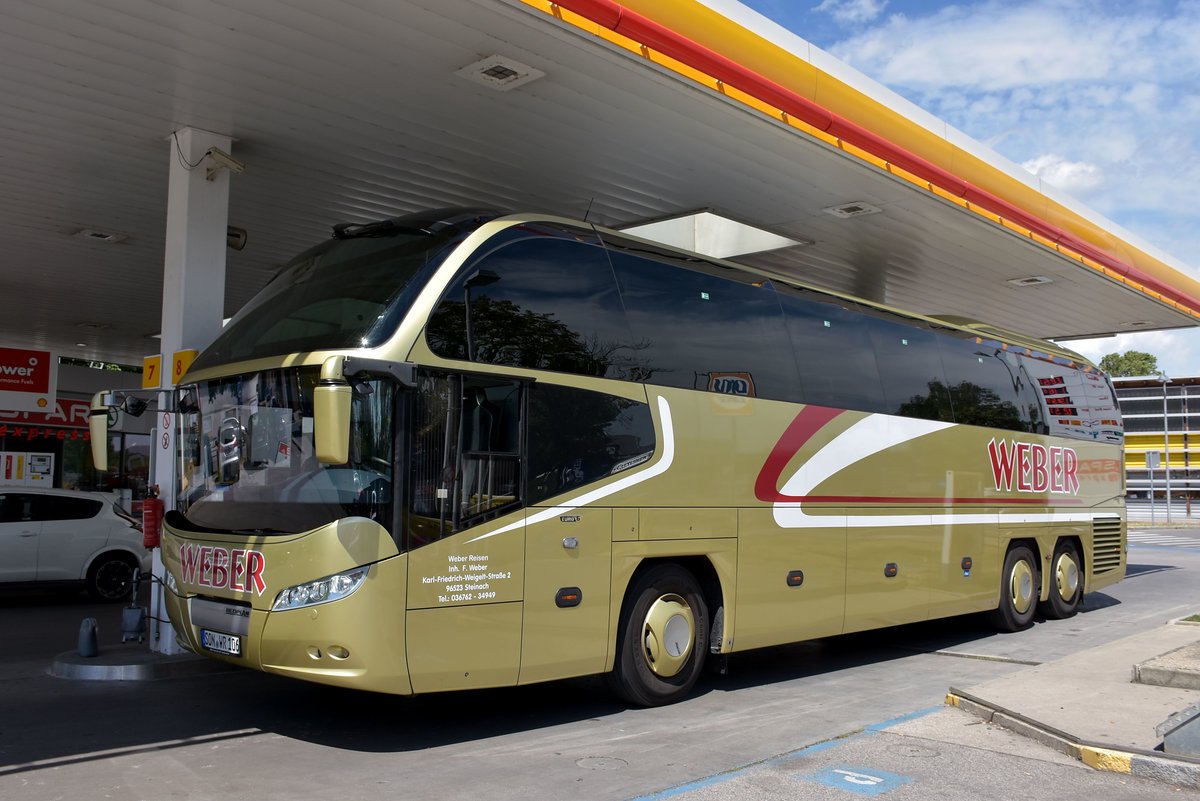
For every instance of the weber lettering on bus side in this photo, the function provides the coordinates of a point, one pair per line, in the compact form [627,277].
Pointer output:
[1033,467]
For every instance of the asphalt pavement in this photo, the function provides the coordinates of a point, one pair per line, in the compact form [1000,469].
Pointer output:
[1006,730]
[1103,706]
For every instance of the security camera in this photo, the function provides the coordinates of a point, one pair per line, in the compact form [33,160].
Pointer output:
[222,159]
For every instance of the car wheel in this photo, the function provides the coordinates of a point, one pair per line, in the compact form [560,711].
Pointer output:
[110,578]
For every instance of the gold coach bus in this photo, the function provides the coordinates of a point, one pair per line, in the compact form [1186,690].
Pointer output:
[465,449]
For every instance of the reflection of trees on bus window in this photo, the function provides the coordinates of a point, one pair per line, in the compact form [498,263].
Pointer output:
[549,302]
[559,299]
[971,404]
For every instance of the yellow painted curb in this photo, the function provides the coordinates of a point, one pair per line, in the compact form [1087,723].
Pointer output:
[1103,759]
[952,699]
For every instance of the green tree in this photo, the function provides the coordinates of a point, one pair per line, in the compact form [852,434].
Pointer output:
[1131,362]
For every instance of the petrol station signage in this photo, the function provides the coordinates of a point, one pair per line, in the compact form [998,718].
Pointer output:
[28,380]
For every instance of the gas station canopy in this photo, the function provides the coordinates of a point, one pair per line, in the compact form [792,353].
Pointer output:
[623,113]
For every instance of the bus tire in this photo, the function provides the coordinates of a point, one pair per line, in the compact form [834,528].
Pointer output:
[1018,590]
[663,638]
[1066,582]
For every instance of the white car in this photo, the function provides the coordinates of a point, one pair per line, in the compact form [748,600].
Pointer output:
[53,536]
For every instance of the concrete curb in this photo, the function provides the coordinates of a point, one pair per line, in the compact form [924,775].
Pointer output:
[1177,770]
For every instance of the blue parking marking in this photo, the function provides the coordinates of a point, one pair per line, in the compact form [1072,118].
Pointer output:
[720,778]
[863,781]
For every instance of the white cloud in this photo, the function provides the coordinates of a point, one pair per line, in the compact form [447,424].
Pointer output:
[852,11]
[1069,176]
[1100,98]
[1176,351]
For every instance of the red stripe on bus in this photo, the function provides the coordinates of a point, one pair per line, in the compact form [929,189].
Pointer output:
[998,500]
[812,419]
[809,421]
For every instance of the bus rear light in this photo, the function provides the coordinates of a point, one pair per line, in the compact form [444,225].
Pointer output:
[321,591]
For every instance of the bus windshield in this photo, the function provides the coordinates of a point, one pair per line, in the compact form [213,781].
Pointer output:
[248,463]
[348,292]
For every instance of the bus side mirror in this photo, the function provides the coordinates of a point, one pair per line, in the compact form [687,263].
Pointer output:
[98,426]
[331,414]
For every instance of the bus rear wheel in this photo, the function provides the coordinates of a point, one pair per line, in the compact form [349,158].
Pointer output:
[663,638]
[1066,582]
[1019,586]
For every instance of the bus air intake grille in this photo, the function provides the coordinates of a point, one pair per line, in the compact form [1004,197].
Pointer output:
[1106,544]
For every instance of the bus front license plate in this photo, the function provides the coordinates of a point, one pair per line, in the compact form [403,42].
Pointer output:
[221,643]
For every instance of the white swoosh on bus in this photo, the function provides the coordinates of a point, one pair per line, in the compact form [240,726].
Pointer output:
[866,438]
[658,468]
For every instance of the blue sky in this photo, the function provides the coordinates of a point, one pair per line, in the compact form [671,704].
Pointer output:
[1099,98]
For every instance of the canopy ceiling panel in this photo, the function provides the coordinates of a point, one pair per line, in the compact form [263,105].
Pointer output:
[354,111]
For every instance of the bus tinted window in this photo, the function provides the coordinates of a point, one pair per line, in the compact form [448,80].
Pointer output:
[1075,403]
[985,384]
[833,351]
[699,328]
[537,302]
[910,368]
[577,437]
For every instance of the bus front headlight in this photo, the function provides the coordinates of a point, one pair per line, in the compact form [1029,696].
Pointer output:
[321,591]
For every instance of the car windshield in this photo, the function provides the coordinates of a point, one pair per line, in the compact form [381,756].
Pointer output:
[348,292]
[248,463]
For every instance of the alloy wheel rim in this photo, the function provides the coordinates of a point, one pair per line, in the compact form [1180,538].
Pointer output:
[668,635]
[113,578]
[1021,587]
[1066,577]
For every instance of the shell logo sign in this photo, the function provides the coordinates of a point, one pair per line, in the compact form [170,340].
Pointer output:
[28,380]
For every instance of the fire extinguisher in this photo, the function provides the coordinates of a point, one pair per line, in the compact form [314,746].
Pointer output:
[152,513]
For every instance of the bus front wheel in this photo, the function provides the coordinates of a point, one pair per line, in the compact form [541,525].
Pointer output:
[663,637]
[1019,587]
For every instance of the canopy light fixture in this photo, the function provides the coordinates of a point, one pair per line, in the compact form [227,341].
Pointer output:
[92,235]
[1030,280]
[855,209]
[500,73]
[711,234]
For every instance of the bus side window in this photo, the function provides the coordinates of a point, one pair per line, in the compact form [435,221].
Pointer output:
[543,300]
[986,387]
[704,326]
[910,367]
[1076,403]
[833,351]
[577,437]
